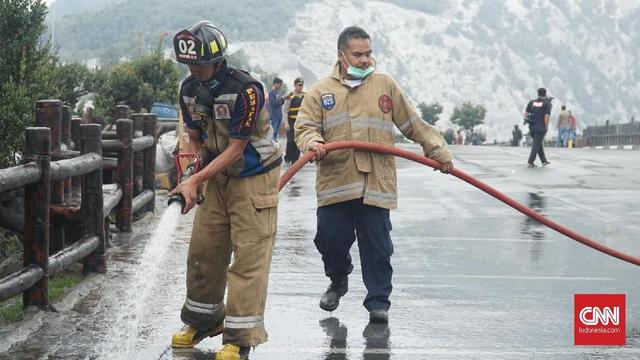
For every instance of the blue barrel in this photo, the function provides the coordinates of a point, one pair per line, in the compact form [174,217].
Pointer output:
[163,110]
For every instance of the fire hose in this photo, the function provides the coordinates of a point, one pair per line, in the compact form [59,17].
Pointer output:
[390,150]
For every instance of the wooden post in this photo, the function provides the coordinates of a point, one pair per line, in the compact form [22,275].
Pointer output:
[92,198]
[75,137]
[65,129]
[124,129]
[88,115]
[65,139]
[49,114]
[75,132]
[121,112]
[138,157]
[150,123]
[36,215]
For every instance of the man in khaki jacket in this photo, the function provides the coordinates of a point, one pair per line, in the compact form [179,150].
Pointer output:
[356,189]
[563,127]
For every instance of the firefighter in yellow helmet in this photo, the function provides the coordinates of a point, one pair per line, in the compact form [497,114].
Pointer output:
[223,110]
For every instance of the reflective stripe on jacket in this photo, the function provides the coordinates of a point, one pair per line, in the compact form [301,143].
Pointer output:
[332,111]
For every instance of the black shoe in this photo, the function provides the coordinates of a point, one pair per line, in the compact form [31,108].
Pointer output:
[379,316]
[532,165]
[331,298]
[546,163]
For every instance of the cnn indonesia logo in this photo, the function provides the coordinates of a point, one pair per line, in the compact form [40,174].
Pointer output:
[599,319]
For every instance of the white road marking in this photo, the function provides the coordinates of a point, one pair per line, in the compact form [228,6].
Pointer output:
[513,277]
[440,238]
[525,352]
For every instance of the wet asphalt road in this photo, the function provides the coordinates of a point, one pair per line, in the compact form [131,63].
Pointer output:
[473,278]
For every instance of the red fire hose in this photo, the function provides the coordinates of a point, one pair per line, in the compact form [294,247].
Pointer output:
[385,149]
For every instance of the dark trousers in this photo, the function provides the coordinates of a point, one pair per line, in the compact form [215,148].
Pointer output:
[338,226]
[292,154]
[275,125]
[536,147]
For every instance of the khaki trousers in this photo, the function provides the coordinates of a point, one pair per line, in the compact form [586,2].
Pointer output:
[239,217]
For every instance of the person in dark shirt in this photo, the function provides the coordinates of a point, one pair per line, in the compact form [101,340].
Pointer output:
[275,107]
[292,105]
[517,136]
[537,116]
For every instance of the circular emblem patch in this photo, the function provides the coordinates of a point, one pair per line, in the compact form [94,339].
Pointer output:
[328,101]
[222,111]
[385,103]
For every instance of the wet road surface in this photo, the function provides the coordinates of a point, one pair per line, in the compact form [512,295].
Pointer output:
[473,278]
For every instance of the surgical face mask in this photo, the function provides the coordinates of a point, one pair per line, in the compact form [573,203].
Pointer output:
[356,72]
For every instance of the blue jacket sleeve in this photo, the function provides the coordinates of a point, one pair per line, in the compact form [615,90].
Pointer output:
[247,110]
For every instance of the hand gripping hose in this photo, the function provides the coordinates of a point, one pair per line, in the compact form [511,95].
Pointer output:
[385,149]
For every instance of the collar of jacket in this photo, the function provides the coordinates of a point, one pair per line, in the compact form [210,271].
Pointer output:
[335,73]
[218,79]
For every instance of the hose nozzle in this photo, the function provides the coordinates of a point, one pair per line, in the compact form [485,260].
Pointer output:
[176,198]
[179,198]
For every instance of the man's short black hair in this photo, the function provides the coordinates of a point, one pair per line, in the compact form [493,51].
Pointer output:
[277,80]
[564,107]
[352,32]
[542,92]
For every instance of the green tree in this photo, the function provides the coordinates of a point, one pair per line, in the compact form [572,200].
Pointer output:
[119,23]
[67,82]
[21,54]
[449,136]
[29,71]
[430,113]
[22,63]
[468,116]
[136,83]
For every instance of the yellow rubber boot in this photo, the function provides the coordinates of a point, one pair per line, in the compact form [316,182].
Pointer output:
[190,336]
[232,352]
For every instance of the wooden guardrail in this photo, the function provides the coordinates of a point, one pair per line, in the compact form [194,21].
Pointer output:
[613,134]
[135,170]
[65,205]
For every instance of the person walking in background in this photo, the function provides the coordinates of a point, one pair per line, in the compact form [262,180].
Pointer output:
[291,108]
[516,136]
[459,139]
[537,115]
[275,107]
[573,123]
[563,127]
[356,189]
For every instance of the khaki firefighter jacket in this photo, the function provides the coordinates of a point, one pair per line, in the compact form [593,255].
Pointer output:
[332,111]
